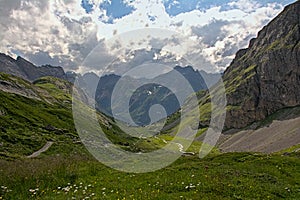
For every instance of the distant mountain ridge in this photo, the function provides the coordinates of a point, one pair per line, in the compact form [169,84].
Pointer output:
[28,71]
[148,95]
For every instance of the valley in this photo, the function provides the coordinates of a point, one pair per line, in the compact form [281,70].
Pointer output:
[44,155]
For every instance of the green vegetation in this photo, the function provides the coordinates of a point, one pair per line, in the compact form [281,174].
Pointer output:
[14,80]
[26,125]
[59,89]
[226,176]
[285,42]
[237,77]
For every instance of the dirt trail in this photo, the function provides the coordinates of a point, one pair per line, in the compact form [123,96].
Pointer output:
[43,149]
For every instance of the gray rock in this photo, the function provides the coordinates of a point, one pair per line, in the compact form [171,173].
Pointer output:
[265,77]
[28,71]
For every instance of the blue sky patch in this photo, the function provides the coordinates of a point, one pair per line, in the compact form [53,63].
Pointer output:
[116,9]
[176,7]
[88,7]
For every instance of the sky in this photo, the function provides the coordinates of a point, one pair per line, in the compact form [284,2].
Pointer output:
[67,32]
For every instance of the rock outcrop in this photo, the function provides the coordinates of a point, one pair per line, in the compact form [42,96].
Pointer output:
[265,77]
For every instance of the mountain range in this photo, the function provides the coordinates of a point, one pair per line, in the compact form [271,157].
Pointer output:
[101,88]
[262,89]
[149,94]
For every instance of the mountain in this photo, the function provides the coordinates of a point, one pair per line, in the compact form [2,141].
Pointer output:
[26,70]
[149,94]
[262,88]
[265,77]
[88,82]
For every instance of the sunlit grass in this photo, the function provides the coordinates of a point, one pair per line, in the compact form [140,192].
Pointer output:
[218,176]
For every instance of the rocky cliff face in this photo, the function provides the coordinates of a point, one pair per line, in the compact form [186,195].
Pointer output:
[26,70]
[265,77]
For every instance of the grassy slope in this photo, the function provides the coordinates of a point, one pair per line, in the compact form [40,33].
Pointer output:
[24,123]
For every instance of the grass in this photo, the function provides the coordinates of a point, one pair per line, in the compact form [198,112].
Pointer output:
[57,88]
[224,176]
[24,121]
[24,125]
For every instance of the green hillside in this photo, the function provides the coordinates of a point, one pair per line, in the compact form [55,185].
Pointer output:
[28,123]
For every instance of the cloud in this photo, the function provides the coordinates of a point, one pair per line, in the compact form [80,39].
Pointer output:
[63,32]
[211,32]
[245,5]
[38,28]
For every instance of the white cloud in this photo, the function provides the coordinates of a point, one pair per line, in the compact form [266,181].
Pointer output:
[61,32]
[245,5]
[37,28]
